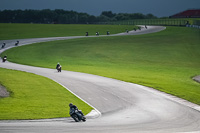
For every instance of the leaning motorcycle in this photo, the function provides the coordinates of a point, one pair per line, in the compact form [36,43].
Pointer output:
[77,115]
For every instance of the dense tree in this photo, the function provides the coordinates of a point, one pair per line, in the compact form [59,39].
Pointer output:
[150,16]
[108,14]
[65,17]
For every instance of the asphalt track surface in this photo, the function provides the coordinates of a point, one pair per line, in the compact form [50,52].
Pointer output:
[120,107]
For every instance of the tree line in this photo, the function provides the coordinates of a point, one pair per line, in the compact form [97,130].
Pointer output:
[60,16]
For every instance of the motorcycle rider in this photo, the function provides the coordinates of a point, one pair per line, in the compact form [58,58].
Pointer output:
[58,67]
[4,58]
[97,33]
[86,34]
[16,43]
[108,33]
[75,108]
[4,44]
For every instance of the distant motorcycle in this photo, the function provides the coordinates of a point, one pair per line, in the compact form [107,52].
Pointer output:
[59,68]
[4,58]
[97,33]
[77,115]
[86,34]
[4,44]
[16,43]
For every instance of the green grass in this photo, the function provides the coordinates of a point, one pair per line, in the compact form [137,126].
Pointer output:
[21,31]
[35,97]
[165,61]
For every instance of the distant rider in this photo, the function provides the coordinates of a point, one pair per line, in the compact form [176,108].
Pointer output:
[4,44]
[4,58]
[86,33]
[16,43]
[58,67]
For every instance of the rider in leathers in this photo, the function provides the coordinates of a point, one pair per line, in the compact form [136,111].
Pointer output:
[74,106]
[57,66]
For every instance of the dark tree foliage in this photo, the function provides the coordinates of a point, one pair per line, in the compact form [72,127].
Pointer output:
[60,16]
[108,14]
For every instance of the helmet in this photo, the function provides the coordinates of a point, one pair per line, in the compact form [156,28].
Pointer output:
[70,104]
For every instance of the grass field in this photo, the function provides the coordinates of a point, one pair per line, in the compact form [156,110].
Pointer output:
[21,31]
[165,61]
[34,97]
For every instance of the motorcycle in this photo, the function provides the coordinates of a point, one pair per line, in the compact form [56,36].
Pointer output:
[4,44]
[4,59]
[86,34]
[59,68]
[108,33]
[77,115]
[16,43]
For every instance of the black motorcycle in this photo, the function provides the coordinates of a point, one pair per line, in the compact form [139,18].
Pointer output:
[59,68]
[77,115]
[4,44]
[16,43]
[108,33]
[4,58]
[86,34]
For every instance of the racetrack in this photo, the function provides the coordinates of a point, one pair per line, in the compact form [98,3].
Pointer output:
[124,107]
